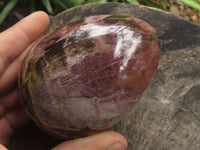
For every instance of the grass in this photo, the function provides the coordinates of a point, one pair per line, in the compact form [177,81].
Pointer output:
[7,9]
[60,5]
[192,3]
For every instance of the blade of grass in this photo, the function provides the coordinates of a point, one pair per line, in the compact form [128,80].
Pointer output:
[93,1]
[152,4]
[113,1]
[133,2]
[61,4]
[32,6]
[72,3]
[48,6]
[191,3]
[11,4]
[165,1]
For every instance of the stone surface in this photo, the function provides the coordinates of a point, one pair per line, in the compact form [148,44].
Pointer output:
[168,116]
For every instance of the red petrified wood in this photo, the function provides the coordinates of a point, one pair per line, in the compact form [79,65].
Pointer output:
[85,76]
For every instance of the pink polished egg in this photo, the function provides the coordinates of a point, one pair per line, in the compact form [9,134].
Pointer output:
[87,75]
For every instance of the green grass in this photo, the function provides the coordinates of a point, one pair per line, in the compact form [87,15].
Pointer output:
[7,9]
[48,6]
[133,2]
[152,4]
[61,5]
[192,3]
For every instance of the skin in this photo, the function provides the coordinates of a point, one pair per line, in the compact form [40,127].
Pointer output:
[14,41]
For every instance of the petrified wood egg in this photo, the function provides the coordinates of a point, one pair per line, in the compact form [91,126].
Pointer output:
[86,76]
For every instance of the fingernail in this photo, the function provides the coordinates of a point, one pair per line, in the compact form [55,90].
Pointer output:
[116,146]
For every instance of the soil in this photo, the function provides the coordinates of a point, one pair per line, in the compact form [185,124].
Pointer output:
[22,9]
[180,9]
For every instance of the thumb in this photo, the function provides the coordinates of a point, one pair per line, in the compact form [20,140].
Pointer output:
[108,140]
[2,147]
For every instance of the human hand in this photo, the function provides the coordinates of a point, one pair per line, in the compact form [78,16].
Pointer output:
[13,43]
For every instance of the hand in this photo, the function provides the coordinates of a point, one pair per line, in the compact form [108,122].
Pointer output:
[13,43]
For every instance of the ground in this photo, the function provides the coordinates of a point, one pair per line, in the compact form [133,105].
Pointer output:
[180,9]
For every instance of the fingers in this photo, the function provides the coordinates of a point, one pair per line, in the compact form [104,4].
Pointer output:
[17,118]
[2,147]
[14,40]
[5,131]
[10,100]
[12,116]
[10,121]
[8,79]
[108,140]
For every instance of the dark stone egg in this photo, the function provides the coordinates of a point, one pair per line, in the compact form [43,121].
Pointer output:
[84,77]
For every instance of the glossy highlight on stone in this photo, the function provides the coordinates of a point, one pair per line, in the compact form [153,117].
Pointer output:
[86,76]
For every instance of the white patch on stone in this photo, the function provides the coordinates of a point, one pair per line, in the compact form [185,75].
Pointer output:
[165,101]
[127,40]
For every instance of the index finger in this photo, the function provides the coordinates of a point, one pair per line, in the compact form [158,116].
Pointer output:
[14,40]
